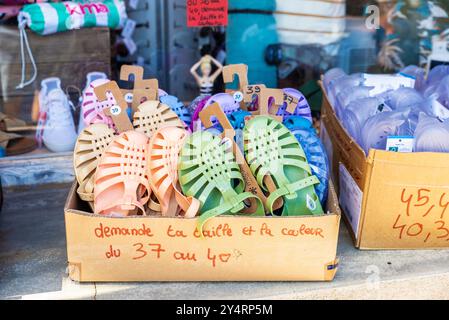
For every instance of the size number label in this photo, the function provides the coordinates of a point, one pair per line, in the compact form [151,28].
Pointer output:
[116,110]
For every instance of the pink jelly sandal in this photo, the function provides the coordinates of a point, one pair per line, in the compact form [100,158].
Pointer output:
[121,180]
[153,115]
[92,108]
[163,154]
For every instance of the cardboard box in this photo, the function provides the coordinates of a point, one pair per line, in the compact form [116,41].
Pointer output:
[238,248]
[390,200]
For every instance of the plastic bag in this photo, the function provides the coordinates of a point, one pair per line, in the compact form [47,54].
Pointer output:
[418,73]
[358,112]
[379,127]
[402,98]
[348,95]
[431,135]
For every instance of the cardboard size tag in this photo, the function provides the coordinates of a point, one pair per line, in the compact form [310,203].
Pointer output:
[251,185]
[127,70]
[292,102]
[278,100]
[207,13]
[118,113]
[229,73]
[250,90]
[142,95]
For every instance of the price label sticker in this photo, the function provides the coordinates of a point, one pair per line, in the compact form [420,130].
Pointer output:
[116,110]
[129,97]
[238,96]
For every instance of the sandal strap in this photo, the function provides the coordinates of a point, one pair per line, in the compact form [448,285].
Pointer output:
[232,207]
[291,189]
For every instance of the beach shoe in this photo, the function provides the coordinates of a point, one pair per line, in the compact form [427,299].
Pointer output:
[153,115]
[92,110]
[178,107]
[58,131]
[226,102]
[307,137]
[163,154]
[195,108]
[121,186]
[90,145]
[208,172]
[272,150]
[300,108]
[90,77]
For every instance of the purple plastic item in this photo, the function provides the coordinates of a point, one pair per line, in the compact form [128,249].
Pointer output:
[348,95]
[402,98]
[331,75]
[302,108]
[226,102]
[379,127]
[431,135]
[418,73]
[196,113]
[341,83]
[358,112]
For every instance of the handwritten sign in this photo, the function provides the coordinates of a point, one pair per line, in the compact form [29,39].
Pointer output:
[207,13]
[151,243]
[424,215]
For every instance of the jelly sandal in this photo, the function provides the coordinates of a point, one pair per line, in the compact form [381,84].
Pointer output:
[90,145]
[92,109]
[178,107]
[295,104]
[208,172]
[271,149]
[226,102]
[163,154]
[153,115]
[307,137]
[121,181]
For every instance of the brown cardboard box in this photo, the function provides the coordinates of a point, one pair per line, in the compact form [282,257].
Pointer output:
[390,200]
[165,249]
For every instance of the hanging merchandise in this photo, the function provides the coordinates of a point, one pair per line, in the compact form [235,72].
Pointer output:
[226,102]
[302,107]
[49,18]
[89,147]
[121,180]
[92,110]
[307,137]
[163,156]
[178,107]
[208,172]
[271,149]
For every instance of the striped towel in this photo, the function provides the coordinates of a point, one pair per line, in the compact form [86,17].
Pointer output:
[48,18]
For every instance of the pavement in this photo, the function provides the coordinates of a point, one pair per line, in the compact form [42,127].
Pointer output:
[33,265]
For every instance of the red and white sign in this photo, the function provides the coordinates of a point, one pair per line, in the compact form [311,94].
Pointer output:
[207,13]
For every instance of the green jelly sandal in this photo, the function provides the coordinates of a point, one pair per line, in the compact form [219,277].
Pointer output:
[272,150]
[208,172]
